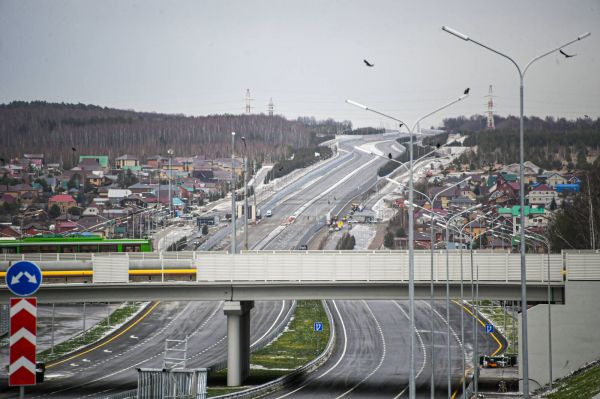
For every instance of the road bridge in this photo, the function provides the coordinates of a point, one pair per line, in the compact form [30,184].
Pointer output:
[243,278]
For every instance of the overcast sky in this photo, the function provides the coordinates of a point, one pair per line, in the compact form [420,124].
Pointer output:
[199,57]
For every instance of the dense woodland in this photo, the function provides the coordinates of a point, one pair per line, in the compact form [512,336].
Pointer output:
[576,224]
[55,129]
[549,143]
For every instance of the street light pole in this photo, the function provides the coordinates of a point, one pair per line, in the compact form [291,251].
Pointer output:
[521,72]
[411,255]
[245,194]
[432,297]
[233,210]
[170,152]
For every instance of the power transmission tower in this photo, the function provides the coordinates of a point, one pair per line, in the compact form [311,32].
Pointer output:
[490,110]
[271,107]
[248,100]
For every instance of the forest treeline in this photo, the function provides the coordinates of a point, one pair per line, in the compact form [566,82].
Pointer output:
[547,142]
[55,129]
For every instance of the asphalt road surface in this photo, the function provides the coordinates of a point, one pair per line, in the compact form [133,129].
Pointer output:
[111,367]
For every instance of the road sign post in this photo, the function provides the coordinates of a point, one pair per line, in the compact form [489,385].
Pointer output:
[489,328]
[23,319]
[23,279]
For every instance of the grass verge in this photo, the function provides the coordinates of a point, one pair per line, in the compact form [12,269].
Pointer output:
[583,384]
[496,315]
[295,347]
[97,332]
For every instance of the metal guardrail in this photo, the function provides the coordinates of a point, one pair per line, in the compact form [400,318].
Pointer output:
[131,394]
[283,381]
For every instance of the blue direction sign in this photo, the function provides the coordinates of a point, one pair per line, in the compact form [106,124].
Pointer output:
[318,326]
[489,328]
[23,278]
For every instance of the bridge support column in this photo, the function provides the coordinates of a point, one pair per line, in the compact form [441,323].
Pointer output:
[238,341]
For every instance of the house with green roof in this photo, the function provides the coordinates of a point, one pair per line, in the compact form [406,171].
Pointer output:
[534,217]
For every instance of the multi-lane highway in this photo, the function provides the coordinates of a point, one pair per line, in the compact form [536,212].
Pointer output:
[110,366]
[372,345]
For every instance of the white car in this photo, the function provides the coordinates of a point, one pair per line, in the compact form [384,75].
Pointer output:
[269,213]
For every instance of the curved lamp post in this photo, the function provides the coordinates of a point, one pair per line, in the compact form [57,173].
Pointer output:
[411,242]
[521,72]
[431,201]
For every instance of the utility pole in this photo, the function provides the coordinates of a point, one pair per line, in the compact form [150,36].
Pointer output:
[245,213]
[233,227]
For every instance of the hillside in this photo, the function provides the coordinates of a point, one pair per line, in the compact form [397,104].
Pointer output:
[54,129]
[549,143]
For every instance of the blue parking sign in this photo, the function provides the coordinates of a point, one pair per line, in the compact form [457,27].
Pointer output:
[318,326]
[489,328]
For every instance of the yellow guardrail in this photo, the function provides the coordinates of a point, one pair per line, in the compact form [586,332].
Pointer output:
[132,272]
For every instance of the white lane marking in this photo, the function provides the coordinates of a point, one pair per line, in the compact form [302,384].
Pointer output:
[380,360]
[420,341]
[422,349]
[273,325]
[345,342]
[156,334]
[334,366]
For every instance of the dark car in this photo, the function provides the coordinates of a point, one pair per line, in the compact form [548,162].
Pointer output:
[303,247]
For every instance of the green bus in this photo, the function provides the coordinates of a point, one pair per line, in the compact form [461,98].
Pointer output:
[73,244]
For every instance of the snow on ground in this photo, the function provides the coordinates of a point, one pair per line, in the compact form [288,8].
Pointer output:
[363,234]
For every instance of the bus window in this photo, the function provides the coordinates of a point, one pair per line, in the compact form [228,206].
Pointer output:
[29,249]
[131,248]
[48,248]
[68,249]
[8,250]
[88,248]
[108,248]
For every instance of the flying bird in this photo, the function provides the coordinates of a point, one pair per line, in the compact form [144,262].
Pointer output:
[567,55]
[367,63]
[74,149]
[390,155]
[466,90]
[438,145]
[586,116]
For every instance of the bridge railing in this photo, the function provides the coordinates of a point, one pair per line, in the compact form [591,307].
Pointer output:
[347,265]
[375,266]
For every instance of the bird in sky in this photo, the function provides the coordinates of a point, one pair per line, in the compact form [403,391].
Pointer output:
[400,125]
[438,145]
[586,116]
[466,90]
[390,155]
[74,149]
[367,63]
[567,55]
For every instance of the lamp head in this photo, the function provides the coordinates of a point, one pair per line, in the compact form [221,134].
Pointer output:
[588,34]
[455,33]
[359,105]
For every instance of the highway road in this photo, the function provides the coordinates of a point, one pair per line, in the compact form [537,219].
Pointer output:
[372,349]
[111,366]
[370,358]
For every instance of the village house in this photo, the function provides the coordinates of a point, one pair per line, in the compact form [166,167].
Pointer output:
[127,162]
[63,201]
[543,195]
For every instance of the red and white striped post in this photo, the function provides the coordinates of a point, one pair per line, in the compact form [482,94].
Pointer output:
[23,321]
